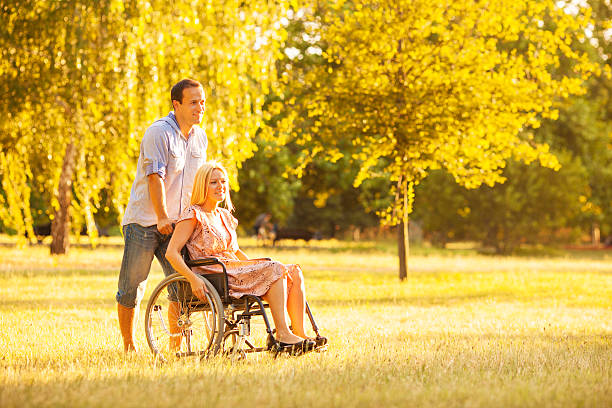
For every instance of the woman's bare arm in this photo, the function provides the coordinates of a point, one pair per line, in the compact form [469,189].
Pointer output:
[241,255]
[182,232]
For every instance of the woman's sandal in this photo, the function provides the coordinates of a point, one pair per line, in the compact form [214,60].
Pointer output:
[295,349]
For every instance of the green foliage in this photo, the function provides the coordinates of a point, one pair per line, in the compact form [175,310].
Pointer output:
[584,130]
[329,203]
[324,198]
[264,187]
[368,94]
[531,206]
[535,205]
[584,126]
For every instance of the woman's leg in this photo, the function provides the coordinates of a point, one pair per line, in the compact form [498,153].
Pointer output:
[276,297]
[296,301]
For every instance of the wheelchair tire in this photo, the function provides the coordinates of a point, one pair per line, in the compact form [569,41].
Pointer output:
[177,324]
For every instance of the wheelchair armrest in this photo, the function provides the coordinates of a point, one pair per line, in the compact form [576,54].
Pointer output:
[203,262]
[218,280]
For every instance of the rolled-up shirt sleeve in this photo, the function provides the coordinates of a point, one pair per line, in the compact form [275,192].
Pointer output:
[155,152]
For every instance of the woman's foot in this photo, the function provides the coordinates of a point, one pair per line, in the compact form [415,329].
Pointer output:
[288,338]
[292,344]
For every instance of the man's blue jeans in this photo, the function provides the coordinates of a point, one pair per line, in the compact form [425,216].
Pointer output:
[141,244]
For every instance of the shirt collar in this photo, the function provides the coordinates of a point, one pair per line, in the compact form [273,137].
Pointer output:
[173,116]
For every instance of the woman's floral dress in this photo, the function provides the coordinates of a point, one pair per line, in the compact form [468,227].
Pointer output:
[252,277]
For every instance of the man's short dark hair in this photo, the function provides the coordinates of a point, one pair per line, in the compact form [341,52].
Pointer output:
[176,94]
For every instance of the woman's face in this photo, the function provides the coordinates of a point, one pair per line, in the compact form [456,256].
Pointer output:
[217,186]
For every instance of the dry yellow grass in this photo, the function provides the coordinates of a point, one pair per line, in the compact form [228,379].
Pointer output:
[466,330]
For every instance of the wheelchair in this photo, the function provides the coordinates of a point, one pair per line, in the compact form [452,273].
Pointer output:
[178,324]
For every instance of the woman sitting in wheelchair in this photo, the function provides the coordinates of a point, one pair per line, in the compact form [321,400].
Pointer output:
[208,230]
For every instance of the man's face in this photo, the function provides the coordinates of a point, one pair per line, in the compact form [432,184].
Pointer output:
[191,110]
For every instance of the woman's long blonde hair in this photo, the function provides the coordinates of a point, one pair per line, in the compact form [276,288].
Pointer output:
[200,184]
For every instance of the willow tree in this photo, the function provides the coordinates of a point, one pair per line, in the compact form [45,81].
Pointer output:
[416,85]
[86,78]
[73,66]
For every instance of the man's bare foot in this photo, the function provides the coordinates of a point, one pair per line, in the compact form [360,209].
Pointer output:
[129,348]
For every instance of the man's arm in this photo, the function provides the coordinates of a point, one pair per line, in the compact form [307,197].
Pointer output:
[158,199]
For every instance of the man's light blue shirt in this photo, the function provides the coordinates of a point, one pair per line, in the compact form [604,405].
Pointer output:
[165,151]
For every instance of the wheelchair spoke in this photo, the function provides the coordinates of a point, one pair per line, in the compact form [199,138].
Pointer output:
[178,324]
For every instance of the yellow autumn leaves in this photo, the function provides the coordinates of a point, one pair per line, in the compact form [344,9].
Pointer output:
[416,85]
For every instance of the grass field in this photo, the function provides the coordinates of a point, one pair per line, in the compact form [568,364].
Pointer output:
[465,330]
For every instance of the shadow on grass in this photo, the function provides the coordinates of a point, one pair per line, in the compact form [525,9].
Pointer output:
[58,272]
[537,252]
[365,247]
[426,300]
[362,249]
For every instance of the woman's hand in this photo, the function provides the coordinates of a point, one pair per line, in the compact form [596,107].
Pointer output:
[198,288]
[241,255]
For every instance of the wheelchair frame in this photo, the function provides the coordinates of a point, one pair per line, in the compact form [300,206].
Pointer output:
[221,324]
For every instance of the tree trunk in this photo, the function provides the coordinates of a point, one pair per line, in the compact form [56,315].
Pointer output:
[595,234]
[403,242]
[60,227]
[403,248]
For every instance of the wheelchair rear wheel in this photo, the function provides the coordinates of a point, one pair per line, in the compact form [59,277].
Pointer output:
[177,324]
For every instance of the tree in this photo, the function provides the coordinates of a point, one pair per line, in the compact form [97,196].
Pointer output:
[86,77]
[421,85]
[60,63]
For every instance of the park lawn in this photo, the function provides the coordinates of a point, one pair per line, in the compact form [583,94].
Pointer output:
[463,330]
